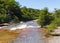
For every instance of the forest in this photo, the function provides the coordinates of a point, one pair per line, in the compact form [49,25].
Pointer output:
[11,11]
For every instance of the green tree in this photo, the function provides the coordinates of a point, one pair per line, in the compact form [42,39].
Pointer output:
[11,8]
[57,16]
[45,17]
[30,13]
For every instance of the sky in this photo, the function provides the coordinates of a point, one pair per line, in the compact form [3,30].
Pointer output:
[40,4]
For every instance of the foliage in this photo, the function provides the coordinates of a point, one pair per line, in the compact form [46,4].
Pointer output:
[14,12]
[45,17]
[4,18]
[30,13]
[10,8]
[51,26]
[49,20]
[57,16]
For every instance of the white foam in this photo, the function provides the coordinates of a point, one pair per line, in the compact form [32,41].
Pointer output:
[18,27]
[25,25]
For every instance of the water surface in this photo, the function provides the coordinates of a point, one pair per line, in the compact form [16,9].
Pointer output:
[30,36]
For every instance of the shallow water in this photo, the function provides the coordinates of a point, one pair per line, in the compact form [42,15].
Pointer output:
[24,25]
[30,36]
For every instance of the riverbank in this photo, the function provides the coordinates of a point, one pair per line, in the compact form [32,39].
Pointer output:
[7,35]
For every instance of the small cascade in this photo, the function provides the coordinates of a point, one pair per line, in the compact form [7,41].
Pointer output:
[29,24]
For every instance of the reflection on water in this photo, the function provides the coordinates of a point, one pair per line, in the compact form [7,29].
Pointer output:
[30,36]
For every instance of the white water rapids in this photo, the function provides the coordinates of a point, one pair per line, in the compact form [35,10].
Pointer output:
[30,24]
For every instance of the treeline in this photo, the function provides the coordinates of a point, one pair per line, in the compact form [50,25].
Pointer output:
[11,11]
[30,13]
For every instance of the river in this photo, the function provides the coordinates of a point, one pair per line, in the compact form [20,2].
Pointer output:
[31,35]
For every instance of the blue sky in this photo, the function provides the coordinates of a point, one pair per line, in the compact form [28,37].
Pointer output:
[39,4]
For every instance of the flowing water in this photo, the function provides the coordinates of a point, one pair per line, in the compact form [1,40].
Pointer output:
[24,25]
[31,35]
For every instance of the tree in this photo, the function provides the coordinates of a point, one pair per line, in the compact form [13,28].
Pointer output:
[57,16]
[45,17]
[30,13]
[11,8]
